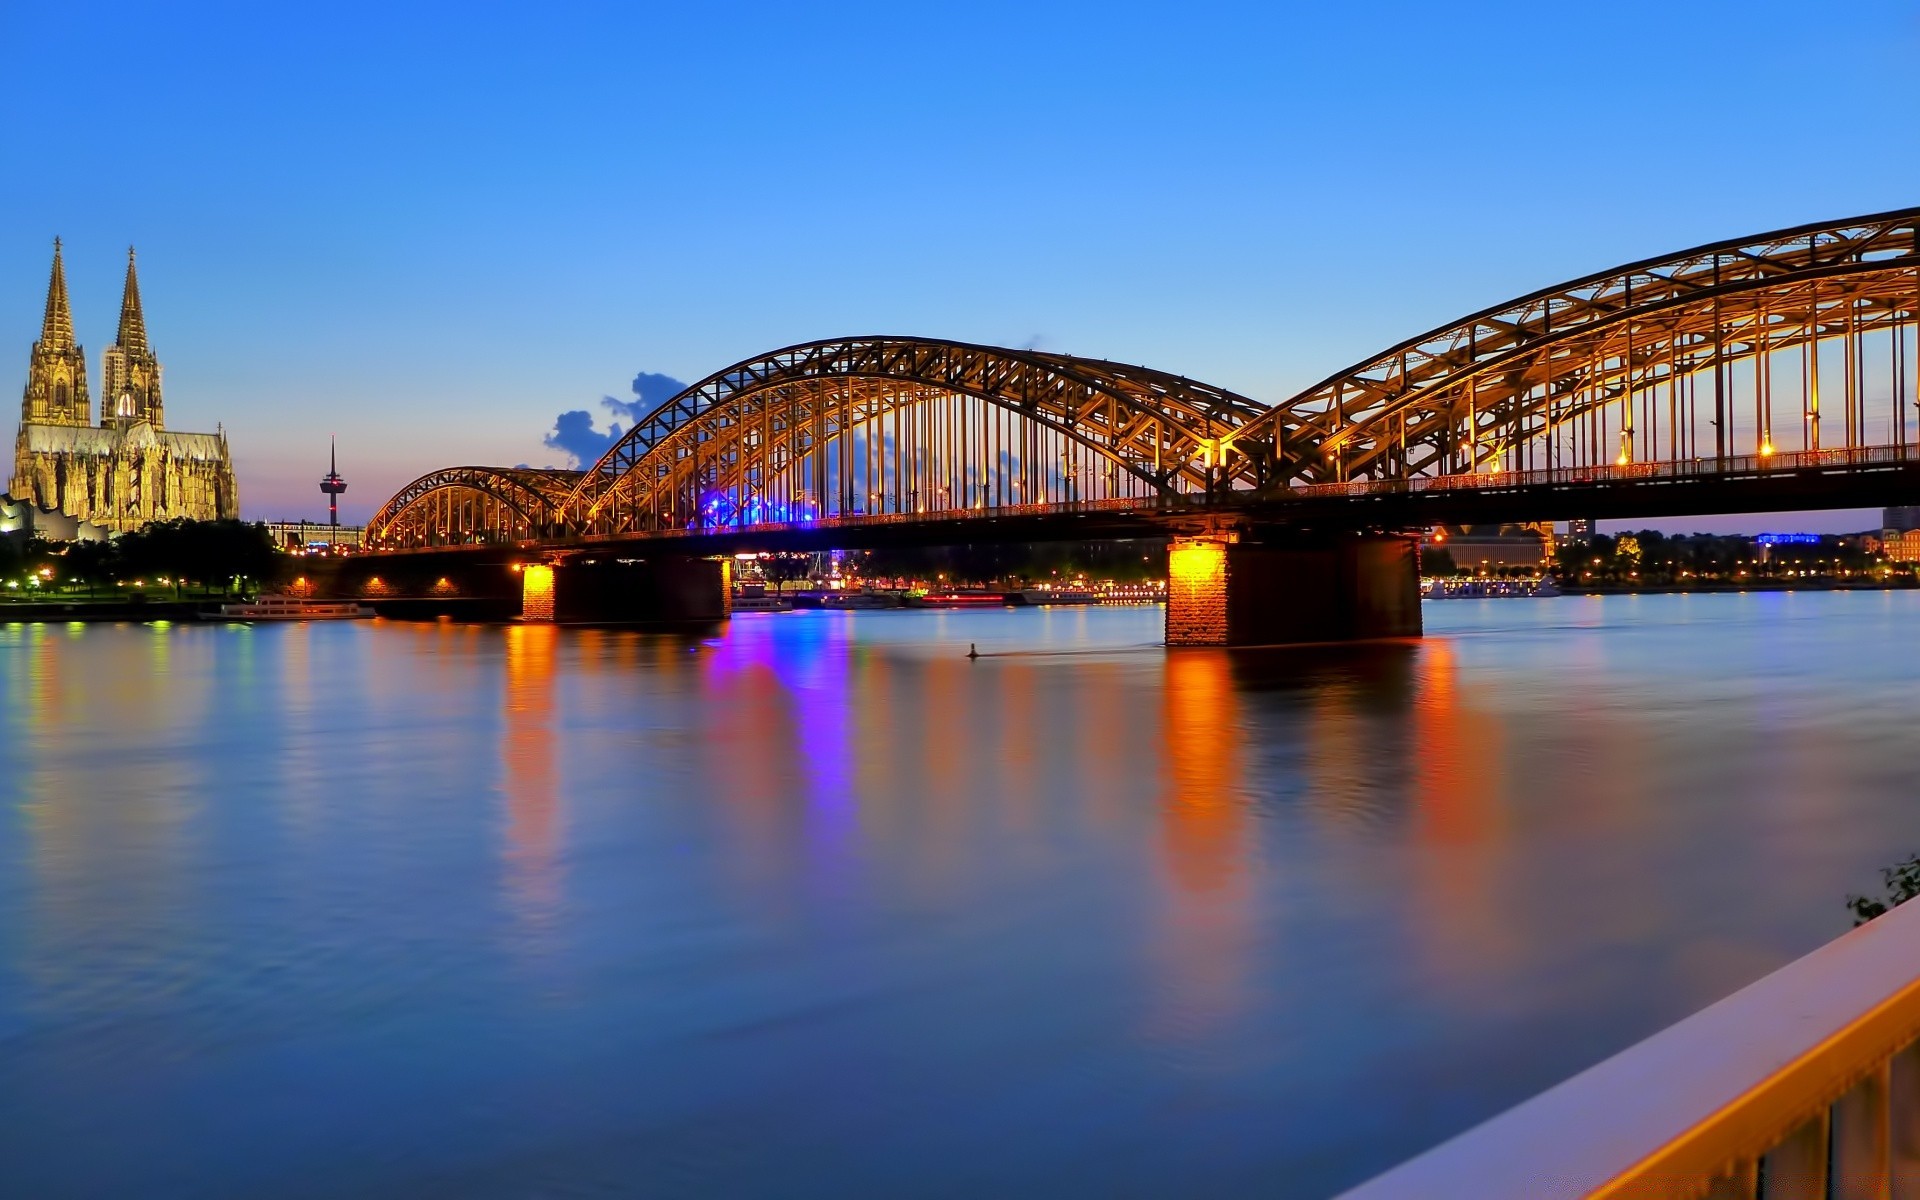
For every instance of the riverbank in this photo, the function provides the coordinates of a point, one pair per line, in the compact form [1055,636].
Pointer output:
[105,610]
[1897,584]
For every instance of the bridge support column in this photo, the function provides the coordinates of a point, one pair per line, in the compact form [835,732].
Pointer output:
[1228,589]
[536,593]
[656,590]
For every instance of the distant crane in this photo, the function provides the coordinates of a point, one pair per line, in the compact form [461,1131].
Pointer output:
[333,485]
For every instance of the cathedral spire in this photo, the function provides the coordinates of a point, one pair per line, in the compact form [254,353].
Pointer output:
[130,374]
[56,331]
[56,391]
[133,323]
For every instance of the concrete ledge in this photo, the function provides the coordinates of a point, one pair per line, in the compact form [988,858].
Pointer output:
[1692,1110]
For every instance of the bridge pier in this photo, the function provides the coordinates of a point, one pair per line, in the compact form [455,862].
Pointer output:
[1236,589]
[661,589]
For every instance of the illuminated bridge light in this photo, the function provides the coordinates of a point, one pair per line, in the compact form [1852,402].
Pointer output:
[536,592]
[1197,592]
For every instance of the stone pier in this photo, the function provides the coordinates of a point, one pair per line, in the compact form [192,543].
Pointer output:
[656,590]
[1237,589]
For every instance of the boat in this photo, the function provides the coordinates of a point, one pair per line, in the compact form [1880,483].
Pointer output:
[753,598]
[840,601]
[1485,589]
[747,604]
[855,600]
[295,608]
[1057,595]
[965,598]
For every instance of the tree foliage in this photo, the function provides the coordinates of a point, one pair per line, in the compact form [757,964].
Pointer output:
[1901,882]
[213,555]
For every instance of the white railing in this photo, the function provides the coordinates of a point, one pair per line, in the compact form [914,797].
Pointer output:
[1805,1084]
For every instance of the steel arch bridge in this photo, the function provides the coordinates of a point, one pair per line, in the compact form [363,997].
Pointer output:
[1789,351]
[510,504]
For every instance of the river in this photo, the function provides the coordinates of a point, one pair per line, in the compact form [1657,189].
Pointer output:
[816,906]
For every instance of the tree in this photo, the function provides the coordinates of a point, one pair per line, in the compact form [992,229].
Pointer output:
[12,558]
[91,563]
[204,552]
[1902,883]
[781,568]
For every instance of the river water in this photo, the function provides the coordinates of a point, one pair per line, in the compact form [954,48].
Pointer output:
[815,906]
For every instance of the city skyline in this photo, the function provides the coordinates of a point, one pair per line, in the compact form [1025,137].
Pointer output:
[437,269]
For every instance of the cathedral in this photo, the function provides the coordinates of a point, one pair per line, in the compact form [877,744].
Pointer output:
[129,469]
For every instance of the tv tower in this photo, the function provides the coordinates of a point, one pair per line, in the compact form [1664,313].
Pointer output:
[333,485]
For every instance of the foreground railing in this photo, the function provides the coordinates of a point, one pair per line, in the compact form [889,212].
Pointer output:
[1803,1085]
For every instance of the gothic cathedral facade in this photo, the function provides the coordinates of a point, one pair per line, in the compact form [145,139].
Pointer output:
[130,468]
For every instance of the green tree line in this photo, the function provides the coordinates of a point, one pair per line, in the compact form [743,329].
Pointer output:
[207,556]
[1649,557]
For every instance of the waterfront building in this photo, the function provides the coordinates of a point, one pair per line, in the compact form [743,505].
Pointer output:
[25,520]
[1492,547]
[129,468]
[1901,545]
[308,535]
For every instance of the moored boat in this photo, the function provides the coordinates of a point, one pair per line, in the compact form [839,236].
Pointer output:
[295,608]
[752,597]
[1057,595]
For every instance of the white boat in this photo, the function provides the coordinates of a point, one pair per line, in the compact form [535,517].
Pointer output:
[1057,595]
[1487,589]
[762,603]
[295,608]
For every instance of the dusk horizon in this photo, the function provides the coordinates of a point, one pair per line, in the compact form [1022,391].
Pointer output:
[436,269]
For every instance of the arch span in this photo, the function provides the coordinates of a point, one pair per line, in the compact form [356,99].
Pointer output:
[1707,353]
[456,505]
[905,425]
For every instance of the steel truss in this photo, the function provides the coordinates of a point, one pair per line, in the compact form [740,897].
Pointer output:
[464,505]
[900,424]
[1771,347]
[1676,359]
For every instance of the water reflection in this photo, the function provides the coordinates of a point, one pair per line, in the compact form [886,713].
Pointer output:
[532,910]
[1205,925]
[530,776]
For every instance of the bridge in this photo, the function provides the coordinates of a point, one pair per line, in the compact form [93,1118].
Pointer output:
[1764,373]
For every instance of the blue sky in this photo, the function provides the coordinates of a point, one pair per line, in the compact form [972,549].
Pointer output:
[432,229]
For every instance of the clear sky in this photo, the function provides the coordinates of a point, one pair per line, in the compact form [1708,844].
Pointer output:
[434,229]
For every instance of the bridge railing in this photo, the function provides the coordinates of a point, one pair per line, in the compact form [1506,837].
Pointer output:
[1804,1084]
[1126,504]
[1727,465]
[1724,466]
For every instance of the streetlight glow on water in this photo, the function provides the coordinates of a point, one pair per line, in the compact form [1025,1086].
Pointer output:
[471,910]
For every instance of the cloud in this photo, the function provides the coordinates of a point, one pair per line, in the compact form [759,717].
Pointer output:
[649,392]
[575,434]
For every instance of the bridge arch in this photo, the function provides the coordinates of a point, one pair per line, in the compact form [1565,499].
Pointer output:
[903,425]
[1712,352]
[463,505]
